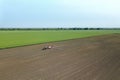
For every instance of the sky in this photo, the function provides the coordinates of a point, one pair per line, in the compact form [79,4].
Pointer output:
[59,13]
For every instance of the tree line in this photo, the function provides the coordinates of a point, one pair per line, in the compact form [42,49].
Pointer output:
[59,28]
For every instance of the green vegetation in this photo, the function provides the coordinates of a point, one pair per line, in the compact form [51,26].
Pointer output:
[21,38]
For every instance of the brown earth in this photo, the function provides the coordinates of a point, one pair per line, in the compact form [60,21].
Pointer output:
[93,58]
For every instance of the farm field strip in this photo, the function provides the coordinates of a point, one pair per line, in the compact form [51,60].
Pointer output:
[21,38]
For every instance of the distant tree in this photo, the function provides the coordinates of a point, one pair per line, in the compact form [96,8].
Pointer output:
[85,28]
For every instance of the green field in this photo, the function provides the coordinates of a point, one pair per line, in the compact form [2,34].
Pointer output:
[21,38]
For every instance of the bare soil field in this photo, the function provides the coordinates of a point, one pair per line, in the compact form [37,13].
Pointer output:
[93,58]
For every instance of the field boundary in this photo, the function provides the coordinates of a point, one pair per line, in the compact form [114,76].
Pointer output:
[56,41]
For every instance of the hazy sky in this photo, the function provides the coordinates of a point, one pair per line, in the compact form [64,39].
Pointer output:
[59,13]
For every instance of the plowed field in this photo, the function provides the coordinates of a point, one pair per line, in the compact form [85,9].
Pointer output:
[93,58]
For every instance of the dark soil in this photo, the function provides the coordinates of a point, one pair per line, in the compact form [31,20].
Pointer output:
[94,58]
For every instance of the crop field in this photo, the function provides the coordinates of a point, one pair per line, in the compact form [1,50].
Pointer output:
[92,58]
[21,38]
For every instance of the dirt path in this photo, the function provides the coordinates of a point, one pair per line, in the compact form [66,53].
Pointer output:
[95,58]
